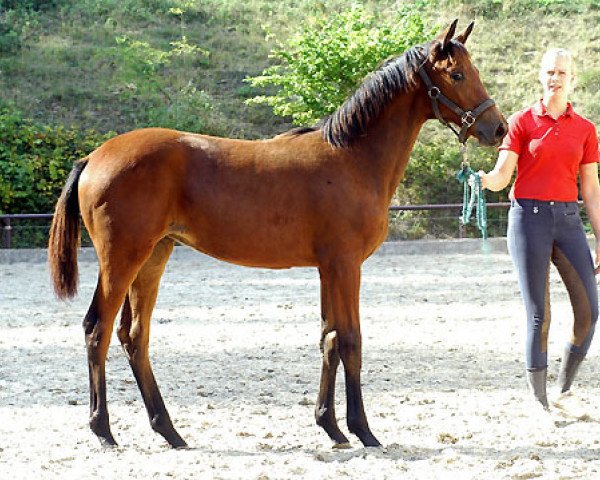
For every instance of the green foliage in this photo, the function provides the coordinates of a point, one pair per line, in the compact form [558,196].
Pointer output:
[141,72]
[503,9]
[323,64]
[36,159]
[143,68]
[132,10]
[431,174]
[143,60]
[589,80]
[428,163]
[16,28]
[34,5]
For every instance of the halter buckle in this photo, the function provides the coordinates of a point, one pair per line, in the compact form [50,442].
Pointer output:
[468,119]
[434,93]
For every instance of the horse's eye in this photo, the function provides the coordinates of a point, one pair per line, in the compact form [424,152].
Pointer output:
[457,76]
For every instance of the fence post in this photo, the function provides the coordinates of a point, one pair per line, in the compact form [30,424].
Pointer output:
[7,230]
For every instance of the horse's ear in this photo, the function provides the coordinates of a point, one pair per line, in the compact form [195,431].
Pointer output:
[446,36]
[441,42]
[462,37]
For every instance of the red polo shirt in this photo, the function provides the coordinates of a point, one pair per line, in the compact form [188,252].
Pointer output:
[550,152]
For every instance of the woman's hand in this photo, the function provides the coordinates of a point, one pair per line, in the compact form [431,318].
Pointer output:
[590,191]
[500,176]
[482,177]
[471,179]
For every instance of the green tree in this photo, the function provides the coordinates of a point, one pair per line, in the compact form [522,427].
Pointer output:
[321,65]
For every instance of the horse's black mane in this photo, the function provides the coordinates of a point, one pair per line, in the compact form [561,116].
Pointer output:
[397,75]
[351,120]
[301,130]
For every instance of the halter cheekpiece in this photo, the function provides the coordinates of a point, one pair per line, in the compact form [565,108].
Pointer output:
[467,117]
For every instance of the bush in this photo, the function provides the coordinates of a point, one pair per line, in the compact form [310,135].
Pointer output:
[16,27]
[36,159]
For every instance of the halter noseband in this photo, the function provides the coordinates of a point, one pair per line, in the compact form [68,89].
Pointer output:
[467,117]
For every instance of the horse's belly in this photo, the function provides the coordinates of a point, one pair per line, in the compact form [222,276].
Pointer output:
[252,251]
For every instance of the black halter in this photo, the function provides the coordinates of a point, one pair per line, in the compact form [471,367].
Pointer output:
[467,117]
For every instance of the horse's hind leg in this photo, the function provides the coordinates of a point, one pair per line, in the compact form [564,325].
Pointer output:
[325,408]
[115,275]
[134,334]
[97,339]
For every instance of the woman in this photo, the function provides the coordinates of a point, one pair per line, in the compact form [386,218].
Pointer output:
[550,145]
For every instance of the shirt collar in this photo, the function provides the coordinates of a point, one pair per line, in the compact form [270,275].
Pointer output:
[539,109]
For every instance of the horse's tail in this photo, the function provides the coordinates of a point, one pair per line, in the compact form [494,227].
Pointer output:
[65,234]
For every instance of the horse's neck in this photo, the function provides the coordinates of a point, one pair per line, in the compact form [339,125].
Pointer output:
[391,139]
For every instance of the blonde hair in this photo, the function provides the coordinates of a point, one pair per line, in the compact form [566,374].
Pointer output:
[552,53]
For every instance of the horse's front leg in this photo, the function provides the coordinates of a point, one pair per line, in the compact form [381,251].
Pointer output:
[325,408]
[343,280]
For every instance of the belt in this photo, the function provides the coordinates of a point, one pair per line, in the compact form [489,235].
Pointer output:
[533,202]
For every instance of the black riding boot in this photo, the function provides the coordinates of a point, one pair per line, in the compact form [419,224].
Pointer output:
[536,379]
[568,369]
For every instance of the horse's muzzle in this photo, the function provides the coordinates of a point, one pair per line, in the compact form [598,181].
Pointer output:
[491,132]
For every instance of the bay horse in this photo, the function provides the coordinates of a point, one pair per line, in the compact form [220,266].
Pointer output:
[312,197]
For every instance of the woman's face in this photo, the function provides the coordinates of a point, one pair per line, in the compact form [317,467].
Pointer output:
[556,76]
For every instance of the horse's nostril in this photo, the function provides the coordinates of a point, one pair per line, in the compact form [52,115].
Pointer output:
[501,131]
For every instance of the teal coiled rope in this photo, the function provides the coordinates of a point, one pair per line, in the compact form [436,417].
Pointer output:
[473,193]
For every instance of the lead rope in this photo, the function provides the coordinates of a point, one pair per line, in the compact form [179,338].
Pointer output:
[473,194]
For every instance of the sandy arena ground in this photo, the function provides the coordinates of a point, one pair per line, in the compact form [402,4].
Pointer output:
[236,355]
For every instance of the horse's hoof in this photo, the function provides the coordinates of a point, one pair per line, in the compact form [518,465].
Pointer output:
[380,447]
[342,446]
[177,443]
[108,443]
[369,440]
